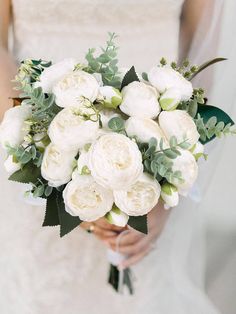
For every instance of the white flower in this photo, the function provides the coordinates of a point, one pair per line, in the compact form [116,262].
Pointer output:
[117,217]
[82,164]
[11,166]
[85,198]
[140,100]
[170,195]
[187,164]
[54,73]
[13,128]
[144,129]
[115,161]
[170,99]
[74,87]
[164,78]
[70,131]
[140,198]
[112,96]
[180,124]
[57,165]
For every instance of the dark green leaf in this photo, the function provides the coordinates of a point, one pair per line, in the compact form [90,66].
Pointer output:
[28,174]
[51,215]
[67,222]
[116,124]
[139,223]
[129,77]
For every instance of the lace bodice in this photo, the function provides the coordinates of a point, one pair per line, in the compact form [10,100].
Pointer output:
[54,29]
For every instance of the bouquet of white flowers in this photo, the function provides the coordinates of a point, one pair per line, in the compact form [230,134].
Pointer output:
[95,143]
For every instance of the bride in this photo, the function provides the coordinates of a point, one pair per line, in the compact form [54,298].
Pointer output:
[41,273]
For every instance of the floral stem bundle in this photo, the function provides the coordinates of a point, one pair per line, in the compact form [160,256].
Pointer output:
[96,141]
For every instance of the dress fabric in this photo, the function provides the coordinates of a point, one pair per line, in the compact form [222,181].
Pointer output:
[41,273]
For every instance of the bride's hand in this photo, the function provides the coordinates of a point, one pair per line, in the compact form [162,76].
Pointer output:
[136,245]
[102,229]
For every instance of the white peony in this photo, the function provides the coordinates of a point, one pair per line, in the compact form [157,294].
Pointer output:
[70,131]
[115,161]
[164,78]
[54,73]
[140,198]
[71,90]
[180,124]
[170,99]
[187,164]
[11,166]
[13,128]
[117,217]
[140,100]
[57,165]
[112,97]
[144,129]
[170,195]
[86,199]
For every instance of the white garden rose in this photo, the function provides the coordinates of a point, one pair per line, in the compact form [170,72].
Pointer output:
[117,217]
[13,128]
[164,78]
[115,161]
[139,198]
[11,166]
[112,97]
[70,131]
[86,199]
[57,165]
[54,73]
[187,164]
[144,129]
[71,90]
[170,99]
[170,195]
[140,100]
[180,124]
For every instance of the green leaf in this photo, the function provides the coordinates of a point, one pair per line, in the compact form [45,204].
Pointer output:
[205,65]
[28,174]
[39,190]
[207,112]
[51,215]
[67,222]
[145,76]
[139,223]
[116,124]
[129,77]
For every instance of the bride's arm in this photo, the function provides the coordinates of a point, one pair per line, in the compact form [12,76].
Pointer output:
[7,65]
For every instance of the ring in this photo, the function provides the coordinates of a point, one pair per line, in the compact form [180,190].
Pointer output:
[91,228]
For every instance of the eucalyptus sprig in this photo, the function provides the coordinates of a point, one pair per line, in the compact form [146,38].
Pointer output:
[105,63]
[157,160]
[191,105]
[212,128]
[24,155]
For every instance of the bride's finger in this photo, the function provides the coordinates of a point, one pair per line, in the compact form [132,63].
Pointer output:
[126,239]
[106,225]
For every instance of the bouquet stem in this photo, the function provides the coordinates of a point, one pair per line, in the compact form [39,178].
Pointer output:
[120,279]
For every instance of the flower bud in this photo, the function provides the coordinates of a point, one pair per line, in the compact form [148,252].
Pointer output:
[169,194]
[170,99]
[112,96]
[117,217]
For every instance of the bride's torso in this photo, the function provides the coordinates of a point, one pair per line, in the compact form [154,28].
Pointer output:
[55,29]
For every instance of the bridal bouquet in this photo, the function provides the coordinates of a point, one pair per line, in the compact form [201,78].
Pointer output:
[98,141]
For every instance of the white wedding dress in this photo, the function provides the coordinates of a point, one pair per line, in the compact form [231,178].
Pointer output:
[43,274]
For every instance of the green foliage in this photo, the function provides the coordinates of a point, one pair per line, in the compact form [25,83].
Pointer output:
[139,223]
[204,66]
[130,76]
[67,222]
[28,174]
[212,122]
[105,63]
[191,105]
[29,72]
[24,155]
[51,215]
[145,76]
[116,124]
[158,160]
